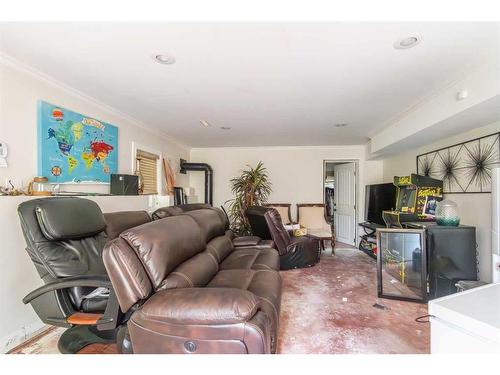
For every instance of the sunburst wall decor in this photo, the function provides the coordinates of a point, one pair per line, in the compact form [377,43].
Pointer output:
[464,167]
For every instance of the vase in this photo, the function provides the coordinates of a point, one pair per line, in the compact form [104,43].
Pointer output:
[447,213]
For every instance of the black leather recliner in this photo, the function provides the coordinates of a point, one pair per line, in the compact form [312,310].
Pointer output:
[295,252]
[65,238]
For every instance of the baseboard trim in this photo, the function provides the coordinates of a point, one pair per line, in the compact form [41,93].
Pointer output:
[18,337]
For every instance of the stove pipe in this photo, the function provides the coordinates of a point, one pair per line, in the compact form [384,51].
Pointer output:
[207,169]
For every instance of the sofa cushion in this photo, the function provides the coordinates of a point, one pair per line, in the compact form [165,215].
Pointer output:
[163,212]
[162,245]
[210,222]
[194,272]
[220,247]
[265,284]
[246,241]
[117,222]
[252,258]
[201,306]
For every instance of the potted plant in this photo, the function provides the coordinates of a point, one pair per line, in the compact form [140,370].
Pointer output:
[251,188]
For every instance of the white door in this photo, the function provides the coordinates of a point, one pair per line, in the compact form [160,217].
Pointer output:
[345,203]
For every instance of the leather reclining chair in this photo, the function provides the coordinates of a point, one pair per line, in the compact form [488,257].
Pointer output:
[238,241]
[188,290]
[65,238]
[295,252]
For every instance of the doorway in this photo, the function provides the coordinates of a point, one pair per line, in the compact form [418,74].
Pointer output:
[340,196]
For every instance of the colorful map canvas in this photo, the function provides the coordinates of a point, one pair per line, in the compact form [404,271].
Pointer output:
[74,148]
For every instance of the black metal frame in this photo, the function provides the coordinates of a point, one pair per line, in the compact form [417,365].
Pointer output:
[460,144]
[423,244]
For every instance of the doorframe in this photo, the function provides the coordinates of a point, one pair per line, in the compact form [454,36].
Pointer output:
[356,189]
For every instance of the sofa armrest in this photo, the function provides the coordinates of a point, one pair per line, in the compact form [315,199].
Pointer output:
[245,241]
[201,306]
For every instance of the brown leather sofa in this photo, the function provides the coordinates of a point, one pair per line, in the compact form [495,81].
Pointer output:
[186,289]
[238,241]
[295,252]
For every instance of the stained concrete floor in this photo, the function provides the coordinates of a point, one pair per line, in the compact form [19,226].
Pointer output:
[328,308]
[325,309]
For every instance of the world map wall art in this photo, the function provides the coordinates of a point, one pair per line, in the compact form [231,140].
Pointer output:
[464,167]
[73,148]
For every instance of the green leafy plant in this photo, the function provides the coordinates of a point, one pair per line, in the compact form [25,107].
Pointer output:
[251,188]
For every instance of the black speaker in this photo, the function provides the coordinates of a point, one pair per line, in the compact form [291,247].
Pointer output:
[124,184]
[179,196]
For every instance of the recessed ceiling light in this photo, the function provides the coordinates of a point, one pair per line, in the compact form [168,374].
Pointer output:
[225,128]
[205,124]
[164,59]
[341,125]
[408,42]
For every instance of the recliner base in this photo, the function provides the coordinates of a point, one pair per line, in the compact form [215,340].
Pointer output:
[301,258]
[77,337]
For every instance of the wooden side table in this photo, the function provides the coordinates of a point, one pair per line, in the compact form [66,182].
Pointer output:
[323,235]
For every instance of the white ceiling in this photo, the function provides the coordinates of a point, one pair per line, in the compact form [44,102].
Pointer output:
[273,83]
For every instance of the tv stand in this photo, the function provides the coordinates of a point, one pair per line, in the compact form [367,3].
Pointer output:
[368,243]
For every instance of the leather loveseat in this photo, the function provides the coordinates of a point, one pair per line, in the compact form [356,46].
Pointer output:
[186,289]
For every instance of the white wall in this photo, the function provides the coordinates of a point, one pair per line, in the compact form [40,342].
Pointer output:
[295,172]
[475,209]
[20,89]
[19,92]
[440,113]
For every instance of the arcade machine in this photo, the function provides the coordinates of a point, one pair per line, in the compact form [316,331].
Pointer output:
[417,259]
[416,200]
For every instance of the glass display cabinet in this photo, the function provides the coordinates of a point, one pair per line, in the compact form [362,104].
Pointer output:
[402,264]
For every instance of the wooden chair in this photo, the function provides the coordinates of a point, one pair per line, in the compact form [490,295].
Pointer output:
[284,209]
[313,217]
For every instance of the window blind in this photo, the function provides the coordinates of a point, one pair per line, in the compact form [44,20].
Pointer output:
[147,164]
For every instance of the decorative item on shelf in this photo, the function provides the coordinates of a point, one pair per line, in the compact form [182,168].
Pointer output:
[40,186]
[10,189]
[447,213]
[169,176]
[140,178]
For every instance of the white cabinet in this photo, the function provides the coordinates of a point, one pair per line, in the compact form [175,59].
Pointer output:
[466,322]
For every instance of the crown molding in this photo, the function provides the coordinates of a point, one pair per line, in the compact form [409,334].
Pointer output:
[27,69]
[279,148]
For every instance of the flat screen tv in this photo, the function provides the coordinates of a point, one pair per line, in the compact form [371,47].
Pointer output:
[379,197]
